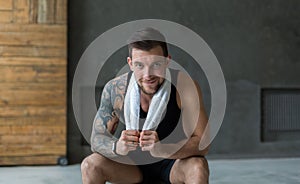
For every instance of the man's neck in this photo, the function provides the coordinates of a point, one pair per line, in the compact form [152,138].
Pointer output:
[146,97]
[145,100]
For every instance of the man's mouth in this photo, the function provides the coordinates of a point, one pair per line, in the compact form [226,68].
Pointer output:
[150,82]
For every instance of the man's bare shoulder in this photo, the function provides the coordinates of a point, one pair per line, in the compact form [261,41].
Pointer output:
[188,89]
[117,88]
[185,82]
[119,81]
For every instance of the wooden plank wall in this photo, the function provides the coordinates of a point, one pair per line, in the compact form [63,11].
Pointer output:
[32,81]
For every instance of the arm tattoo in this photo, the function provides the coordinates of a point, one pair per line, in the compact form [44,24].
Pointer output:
[108,116]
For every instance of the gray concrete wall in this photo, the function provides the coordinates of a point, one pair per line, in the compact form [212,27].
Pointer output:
[256,42]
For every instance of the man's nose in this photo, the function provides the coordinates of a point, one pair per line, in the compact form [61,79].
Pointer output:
[148,71]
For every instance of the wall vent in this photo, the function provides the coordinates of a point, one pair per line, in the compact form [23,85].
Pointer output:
[280,115]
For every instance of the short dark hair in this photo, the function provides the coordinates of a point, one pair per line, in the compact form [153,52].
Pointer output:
[146,39]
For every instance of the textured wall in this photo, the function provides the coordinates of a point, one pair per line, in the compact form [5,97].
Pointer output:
[256,42]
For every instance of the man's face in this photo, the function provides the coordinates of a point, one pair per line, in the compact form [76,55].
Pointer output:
[149,68]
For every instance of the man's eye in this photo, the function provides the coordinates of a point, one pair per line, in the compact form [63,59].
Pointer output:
[138,65]
[157,65]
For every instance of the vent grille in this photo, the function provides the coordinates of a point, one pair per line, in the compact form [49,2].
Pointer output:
[280,114]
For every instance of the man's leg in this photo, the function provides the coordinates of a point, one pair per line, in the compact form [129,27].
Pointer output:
[190,170]
[97,169]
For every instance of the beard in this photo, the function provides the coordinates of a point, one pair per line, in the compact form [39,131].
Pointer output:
[152,90]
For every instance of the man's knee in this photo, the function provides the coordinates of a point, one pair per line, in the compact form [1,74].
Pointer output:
[199,167]
[92,164]
[190,170]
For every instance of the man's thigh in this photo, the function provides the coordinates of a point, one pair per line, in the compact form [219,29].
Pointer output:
[113,171]
[185,170]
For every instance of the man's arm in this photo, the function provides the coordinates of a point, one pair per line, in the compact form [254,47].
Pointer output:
[107,119]
[194,121]
[101,139]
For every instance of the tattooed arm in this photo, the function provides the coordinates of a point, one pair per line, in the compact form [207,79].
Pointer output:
[106,118]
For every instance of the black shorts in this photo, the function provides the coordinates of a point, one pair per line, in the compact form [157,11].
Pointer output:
[156,172]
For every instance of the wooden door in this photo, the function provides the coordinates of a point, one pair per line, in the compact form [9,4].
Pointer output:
[32,81]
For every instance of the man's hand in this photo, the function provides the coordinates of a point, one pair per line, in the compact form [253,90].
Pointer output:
[127,142]
[148,139]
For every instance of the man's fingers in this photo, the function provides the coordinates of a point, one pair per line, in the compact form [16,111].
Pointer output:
[130,138]
[151,138]
[131,132]
[146,132]
[130,135]
[147,137]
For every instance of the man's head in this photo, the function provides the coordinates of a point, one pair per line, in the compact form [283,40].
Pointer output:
[146,39]
[148,59]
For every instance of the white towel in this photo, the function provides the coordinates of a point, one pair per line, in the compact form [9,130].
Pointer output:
[156,109]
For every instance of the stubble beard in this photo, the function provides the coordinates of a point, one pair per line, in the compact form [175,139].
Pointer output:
[150,93]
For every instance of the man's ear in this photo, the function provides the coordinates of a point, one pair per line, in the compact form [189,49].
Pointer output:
[129,62]
[168,60]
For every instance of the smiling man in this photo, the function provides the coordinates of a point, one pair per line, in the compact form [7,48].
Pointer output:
[164,119]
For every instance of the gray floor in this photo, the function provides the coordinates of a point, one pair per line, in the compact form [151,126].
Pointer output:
[264,171]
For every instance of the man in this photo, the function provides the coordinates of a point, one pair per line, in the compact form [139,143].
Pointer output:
[178,158]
